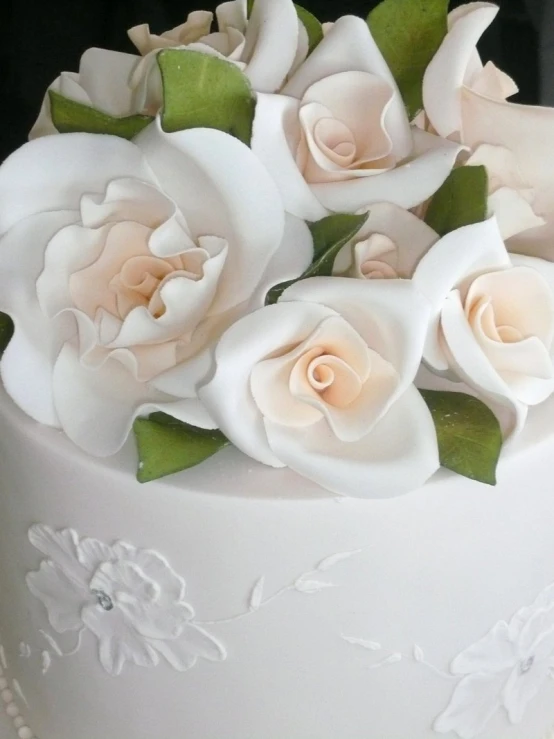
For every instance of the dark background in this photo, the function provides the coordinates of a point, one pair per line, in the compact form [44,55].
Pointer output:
[40,39]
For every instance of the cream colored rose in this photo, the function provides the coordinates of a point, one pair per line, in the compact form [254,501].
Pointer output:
[123,263]
[389,245]
[467,102]
[492,322]
[267,47]
[323,380]
[337,138]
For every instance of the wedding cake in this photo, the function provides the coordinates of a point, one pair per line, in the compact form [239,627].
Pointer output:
[276,417]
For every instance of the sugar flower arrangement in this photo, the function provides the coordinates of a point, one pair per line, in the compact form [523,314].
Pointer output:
[328,245]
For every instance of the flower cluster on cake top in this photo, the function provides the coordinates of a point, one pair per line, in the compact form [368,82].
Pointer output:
[288,236]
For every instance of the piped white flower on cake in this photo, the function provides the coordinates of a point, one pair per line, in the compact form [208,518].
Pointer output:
[123,263]
[130,599]
[321,382]
[505,669]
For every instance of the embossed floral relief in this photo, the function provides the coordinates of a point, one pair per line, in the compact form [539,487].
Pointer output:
[130,599]
[503,670]
[133,602]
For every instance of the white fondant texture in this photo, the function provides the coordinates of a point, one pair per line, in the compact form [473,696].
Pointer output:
[332,619]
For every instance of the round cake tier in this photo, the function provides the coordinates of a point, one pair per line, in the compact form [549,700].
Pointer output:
[235,601]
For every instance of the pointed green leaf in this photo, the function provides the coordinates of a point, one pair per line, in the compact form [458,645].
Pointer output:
[409,33]
[203,91]
[6,331]
[329,234]
[312,26]
[69,116]
[166,446]
[461,201]
[468,433]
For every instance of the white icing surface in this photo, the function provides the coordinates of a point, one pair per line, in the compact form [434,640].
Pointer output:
[338,621]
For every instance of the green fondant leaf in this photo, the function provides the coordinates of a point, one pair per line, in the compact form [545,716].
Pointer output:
[409,33]
[166,446]
[329,234]
[312,26]
[468,433]
[461,201]
[69,116]
[6,331]
[203,91]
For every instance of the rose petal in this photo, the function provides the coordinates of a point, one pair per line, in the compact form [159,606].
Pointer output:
[232,14]
[509,125]
[448,70]
[291,259]
[197,168]
[28,361]
[411,237]
[276,136]
[68,85]
[81,162]
[477,248]
[105,75]
[408,185]
[471,364]
[271,42]
[390,316]
[349,46]
[513,213]
[254,338]
[399,454]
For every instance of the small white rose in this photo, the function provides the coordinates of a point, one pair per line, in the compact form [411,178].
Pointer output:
[389,245]
[467,101]
[122,265]
[492,320]
[323,380]
[267,47]
[338,138]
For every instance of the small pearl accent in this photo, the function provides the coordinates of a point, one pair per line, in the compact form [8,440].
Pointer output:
[12,710]
[7,696]
[25,733]
[18,722]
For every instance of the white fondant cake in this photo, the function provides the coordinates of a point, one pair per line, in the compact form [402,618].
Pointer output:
[306,266]
[308,616]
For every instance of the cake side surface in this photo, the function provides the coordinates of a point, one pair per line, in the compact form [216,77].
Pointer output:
[307,616]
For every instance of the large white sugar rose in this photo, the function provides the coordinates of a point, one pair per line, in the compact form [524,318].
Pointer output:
[321,382]
[338,138]
[122,263]
[492,319]
[389,245]
[266,46]
[467,101]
